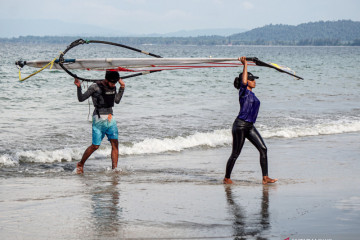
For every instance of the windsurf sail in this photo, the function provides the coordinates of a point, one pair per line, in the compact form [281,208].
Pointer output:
[136,66]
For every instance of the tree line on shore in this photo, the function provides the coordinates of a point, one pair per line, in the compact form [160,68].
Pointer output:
[330,33]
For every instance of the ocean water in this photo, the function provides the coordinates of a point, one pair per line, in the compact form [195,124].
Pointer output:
[174,141]
[41,120]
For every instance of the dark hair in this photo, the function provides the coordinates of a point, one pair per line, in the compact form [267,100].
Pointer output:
[237,82]
[112,76]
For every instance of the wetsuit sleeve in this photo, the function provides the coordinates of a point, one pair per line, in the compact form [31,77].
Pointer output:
[242,89]
[82,97]
[119,95]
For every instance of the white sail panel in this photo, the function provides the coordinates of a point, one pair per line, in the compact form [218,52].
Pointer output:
[140,64]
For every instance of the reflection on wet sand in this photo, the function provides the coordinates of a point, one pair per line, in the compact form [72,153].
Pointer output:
[106,211]
[245,225]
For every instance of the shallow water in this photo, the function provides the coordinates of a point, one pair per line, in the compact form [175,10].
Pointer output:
[174,140]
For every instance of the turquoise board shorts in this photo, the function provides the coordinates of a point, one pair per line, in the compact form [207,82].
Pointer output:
[102,127]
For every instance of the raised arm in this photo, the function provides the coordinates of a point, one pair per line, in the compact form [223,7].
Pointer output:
[119,95]
[244,74]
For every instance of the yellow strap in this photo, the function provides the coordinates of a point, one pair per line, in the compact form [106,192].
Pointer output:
[50,63]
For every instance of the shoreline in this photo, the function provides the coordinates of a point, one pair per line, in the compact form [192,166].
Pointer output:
[181,195]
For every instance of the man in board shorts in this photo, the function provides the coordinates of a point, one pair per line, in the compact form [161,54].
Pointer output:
[103,94]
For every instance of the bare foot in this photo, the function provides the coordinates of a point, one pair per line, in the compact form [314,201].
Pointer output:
[79,168]
[267,180]
[227,181]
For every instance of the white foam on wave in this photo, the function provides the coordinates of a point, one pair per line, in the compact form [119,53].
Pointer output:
[336,127]
[8,161]
[223,137]
[152,145]
[212,139]
[50,156]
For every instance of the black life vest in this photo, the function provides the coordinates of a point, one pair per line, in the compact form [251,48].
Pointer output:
[107,97]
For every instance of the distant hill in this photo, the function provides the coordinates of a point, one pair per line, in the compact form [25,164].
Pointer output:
[201,32]
[313,33]
[329,33]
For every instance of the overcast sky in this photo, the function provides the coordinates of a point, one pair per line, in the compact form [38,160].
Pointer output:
[164,16]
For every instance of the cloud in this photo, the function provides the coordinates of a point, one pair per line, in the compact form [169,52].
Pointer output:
[161,16]
[247,5]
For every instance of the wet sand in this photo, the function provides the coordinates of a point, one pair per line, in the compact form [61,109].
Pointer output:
[181,195]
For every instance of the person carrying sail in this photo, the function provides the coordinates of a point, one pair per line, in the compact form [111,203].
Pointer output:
[103,95]
[243,126]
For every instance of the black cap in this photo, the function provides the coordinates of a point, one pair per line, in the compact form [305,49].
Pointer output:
[112,76]
[250,76]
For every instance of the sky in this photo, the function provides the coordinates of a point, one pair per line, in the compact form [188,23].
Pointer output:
[130,17]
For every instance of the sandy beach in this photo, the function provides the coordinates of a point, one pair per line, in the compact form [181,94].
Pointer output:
[179,195]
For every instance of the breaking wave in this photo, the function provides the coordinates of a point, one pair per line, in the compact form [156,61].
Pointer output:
[216,138]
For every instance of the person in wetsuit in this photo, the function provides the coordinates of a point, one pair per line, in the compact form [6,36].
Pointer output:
[103,95]
[243,126]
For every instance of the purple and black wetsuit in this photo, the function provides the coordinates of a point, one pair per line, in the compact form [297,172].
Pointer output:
[243,127]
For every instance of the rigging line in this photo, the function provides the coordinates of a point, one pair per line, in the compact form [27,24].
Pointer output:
[82,41]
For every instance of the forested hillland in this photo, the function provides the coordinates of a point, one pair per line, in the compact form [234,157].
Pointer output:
[329,33]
